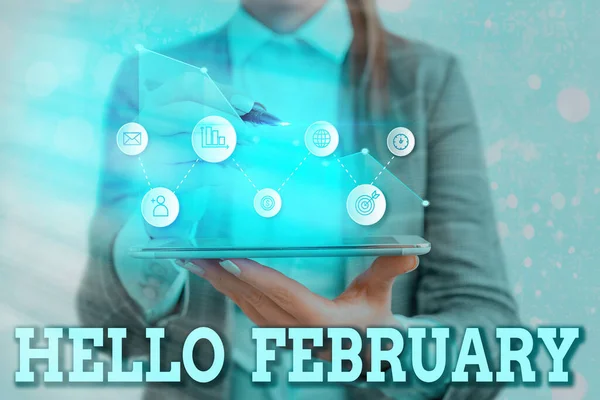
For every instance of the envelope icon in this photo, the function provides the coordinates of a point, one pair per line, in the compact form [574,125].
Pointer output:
[132,138]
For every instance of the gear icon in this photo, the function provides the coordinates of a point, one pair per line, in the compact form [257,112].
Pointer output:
[401,141]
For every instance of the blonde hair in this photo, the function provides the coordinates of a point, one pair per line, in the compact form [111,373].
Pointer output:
[368,53]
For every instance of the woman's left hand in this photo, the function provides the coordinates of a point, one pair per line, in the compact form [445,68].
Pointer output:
[270,299]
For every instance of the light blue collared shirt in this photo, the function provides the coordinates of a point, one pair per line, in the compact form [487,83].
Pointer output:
[296,76]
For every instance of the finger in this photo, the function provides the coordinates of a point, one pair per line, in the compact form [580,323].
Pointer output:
[192,174]
[293,297]
[176,149]
[173,118]
[189,86]
[262,310]
[377,281]
[200,101]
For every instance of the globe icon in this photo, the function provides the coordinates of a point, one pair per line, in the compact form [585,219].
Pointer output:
[321,138]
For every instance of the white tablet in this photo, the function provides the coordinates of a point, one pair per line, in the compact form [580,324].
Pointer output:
[223,248]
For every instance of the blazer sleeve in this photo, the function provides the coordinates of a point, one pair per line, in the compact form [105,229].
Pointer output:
[462,282]
[102,300]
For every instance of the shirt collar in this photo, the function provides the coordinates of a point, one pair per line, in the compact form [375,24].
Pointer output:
[329,31]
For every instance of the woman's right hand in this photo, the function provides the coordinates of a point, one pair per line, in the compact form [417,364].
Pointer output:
[169,115]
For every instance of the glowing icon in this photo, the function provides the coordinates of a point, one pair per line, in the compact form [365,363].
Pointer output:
[132,139]
[214,139]
[366,205]
[160,210]
[267,203]
[160,207]
[321,139]
[401,142]
[211,138]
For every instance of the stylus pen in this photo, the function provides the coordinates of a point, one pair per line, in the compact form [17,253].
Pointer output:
[254,112]
[153,66]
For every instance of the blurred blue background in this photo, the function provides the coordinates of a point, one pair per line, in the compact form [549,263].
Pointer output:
[532,66]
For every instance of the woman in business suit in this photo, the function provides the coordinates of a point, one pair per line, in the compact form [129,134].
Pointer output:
[377,81]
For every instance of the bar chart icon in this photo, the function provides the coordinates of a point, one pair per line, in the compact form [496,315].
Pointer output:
[214,139]
[211,138]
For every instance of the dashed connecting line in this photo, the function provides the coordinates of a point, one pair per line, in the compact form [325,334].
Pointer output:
[245,174]
[284,182]
[186,174]
[182,179]
[384,168]
[293,172]
[345,169]
[144,170]
[424,203]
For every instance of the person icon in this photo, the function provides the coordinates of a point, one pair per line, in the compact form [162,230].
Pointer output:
[160,210]
[160,207]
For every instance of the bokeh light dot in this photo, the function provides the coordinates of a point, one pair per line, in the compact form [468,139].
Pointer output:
[528,262]
[535,322]
[558,201]
[503,230]
[528,232]
[534,82]
[571,250]
[394,5]
[41,79]
[577,391]
[512,201]
[494,185]
[573,104]
[536,208]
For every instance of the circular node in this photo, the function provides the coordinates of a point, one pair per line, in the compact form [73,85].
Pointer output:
[366,205]
[425,203]
[321,139]
[132,139]
[214,139]
[267,203]
[204,70]
[365,151]
[160,207]
[401,142]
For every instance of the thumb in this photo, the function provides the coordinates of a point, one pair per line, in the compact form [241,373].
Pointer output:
[377,281]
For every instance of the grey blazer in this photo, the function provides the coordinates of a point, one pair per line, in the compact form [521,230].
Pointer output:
[461,283]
